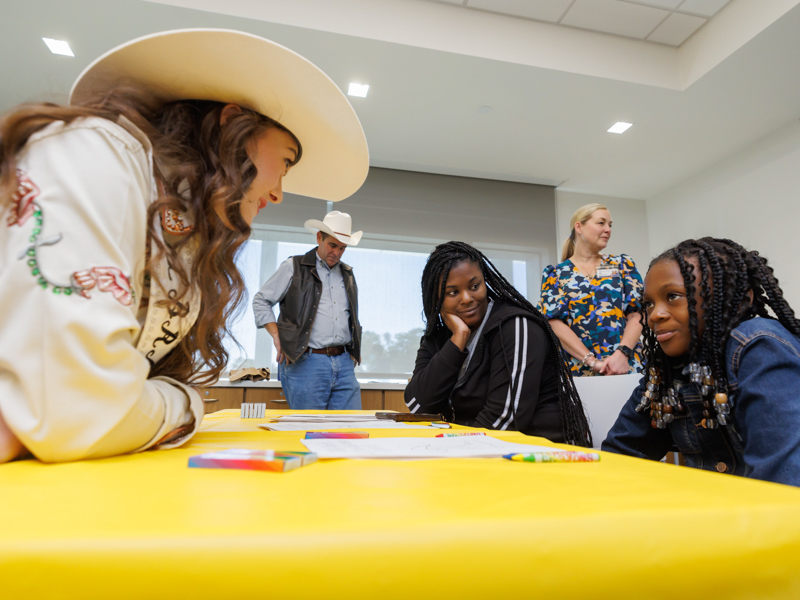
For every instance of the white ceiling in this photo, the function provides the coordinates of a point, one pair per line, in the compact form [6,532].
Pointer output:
[669,22]
[461,91]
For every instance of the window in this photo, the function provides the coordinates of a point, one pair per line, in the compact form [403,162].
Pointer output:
[388,271]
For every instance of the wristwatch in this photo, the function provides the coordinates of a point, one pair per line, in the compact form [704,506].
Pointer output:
[626,351]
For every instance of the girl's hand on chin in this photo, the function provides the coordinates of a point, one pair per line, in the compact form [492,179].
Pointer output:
[458,328]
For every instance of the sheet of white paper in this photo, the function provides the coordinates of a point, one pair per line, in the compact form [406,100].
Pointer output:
[327,426]
[476,446]
[324,418]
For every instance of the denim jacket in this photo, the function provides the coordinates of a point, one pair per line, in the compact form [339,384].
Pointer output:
[762,440]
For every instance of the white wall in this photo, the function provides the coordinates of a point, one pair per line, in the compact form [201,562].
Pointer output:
[629,230]
[508,221]
[752,198]
[438,207]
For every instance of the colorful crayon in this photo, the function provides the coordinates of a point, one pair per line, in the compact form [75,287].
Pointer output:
[565,456]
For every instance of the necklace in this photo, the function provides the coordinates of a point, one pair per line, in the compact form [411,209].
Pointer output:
[587,268]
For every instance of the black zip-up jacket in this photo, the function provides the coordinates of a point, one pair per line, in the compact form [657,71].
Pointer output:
[511,381]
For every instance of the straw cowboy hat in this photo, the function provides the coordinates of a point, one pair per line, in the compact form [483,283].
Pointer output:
[337,224]
[241,68]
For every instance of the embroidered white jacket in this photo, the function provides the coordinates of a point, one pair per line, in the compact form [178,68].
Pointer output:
[73,368]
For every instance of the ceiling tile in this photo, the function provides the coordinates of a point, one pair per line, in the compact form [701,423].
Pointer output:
[541,10]
[613,16]
[705,8]
[669,4]
[676,29]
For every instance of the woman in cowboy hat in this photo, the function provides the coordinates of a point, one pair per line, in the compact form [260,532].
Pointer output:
[122,215]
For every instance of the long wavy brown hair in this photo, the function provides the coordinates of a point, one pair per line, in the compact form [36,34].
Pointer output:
[210,165]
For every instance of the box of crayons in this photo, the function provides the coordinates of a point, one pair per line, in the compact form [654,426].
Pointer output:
[254,460]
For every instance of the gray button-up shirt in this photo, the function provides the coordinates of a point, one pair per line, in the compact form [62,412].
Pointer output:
[331,326]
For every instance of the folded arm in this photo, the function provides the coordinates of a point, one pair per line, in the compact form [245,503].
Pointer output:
[72,383]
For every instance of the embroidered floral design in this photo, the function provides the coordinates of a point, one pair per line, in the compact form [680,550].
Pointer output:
[175,222]
[106,279]
[22,205]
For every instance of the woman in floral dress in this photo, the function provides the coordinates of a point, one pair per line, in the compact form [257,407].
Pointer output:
[592,299]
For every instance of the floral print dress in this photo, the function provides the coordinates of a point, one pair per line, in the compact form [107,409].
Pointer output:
[595,308]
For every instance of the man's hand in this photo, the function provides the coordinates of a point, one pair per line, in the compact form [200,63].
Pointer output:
[279,352]
[458,328]
[272,329]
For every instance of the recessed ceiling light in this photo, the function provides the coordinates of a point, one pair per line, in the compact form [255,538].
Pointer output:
[619,127]
[58,47]
[357,89]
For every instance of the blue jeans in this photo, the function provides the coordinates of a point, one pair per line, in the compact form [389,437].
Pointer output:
[321,382]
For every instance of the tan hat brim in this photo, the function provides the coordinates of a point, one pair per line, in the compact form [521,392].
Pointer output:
[240,68]
[313,225]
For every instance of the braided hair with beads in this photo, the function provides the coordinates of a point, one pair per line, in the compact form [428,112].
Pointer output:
[574,425]
[735,284]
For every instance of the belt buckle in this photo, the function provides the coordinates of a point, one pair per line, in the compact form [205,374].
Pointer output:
[328,350]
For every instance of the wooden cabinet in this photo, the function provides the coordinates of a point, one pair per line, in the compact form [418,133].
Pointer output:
[219,398]
[394,400]
[372,399]
[675,458]
[272,397]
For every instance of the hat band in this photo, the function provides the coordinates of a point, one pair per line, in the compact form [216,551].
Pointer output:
[340,233]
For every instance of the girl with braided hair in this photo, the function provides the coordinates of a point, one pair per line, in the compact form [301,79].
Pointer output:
[488,357]
[722,371]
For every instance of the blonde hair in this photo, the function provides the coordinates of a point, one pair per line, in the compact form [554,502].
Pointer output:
[583,214]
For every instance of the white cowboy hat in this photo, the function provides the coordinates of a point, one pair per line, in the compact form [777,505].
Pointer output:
[241,68]
[337,224]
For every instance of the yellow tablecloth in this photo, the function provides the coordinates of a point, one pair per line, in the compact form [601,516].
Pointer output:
[148,526]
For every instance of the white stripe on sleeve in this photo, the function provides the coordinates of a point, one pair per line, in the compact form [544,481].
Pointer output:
[513,377]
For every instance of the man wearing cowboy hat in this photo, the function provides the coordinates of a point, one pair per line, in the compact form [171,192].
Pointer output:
[317,335]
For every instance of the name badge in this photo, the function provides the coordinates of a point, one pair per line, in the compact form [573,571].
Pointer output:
[606,271]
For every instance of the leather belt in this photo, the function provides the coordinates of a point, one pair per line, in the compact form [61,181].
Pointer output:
[330,351]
